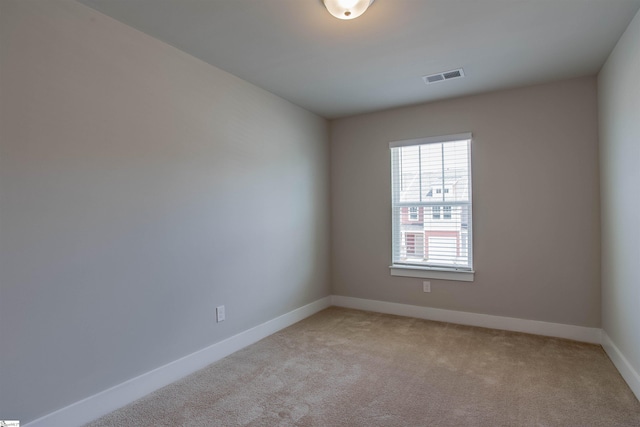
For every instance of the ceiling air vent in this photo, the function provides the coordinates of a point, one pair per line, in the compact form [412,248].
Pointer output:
[441,77]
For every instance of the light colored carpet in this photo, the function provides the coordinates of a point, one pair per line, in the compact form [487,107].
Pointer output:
[345,367]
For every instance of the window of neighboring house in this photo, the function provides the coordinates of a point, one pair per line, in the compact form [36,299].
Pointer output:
[410,244]
[436,212]
[414,245]
[413,213]
[434,248]
[446,212]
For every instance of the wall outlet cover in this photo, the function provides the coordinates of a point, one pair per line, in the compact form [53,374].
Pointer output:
[220,314]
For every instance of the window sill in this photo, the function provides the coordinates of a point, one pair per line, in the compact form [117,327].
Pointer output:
[431,273]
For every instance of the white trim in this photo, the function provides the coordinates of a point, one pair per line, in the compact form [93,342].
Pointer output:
[629,374]
[93,407]
[432,140]
[430,273]
[100,404]
[536,327]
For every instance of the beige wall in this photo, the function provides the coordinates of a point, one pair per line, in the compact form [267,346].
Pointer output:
[619,107]
[536,203]
[140,188]
[131,176]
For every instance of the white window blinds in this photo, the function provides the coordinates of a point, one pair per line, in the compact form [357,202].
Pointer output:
[431,202]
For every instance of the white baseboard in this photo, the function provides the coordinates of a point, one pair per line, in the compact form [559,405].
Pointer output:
[629,374]
[577,333]
[93,407]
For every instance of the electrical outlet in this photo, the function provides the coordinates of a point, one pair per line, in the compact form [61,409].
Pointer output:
[220,314]
[426,286]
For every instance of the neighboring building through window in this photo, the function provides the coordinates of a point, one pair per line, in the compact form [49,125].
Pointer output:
[432,175]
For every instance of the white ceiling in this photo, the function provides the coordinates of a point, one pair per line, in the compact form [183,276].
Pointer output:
[336,68]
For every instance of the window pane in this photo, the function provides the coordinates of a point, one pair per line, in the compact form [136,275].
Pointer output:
[431,189]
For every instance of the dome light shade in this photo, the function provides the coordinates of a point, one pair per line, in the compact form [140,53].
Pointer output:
[347,9]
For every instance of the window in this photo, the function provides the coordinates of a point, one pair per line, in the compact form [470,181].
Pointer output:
[414,245]
[413,213]
[447,212]
[432,174]
[410,242]
[436,212]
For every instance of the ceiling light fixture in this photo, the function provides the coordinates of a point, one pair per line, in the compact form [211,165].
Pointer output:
[347,9]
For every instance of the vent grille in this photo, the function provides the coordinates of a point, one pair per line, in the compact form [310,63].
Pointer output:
[444,76]
[435,78]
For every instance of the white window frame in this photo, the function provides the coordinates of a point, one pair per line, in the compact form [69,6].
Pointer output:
[442,273]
